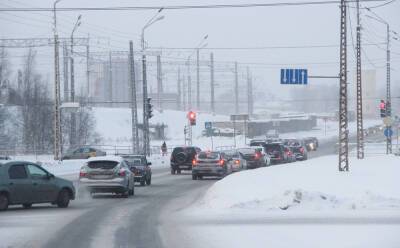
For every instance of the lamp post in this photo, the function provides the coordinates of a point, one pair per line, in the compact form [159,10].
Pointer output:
[388,92]
[57,126]
[146,138]
[72,136]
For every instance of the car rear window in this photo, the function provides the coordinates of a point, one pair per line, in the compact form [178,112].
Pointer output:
[246,151]
[257,143]
[184,149]
[272,147]
[208,155]
[134,161]
[105,165]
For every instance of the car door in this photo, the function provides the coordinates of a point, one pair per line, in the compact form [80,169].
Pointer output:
[44,187]
[19,184]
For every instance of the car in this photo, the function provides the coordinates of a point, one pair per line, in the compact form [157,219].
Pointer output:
[210,163]
[108,174]
[291,156]
[27,183]
[140,167]
[278,152]
[311,143]
[83,153]
[182,158]
[254,157]
[236,160]
[2,157]
[298,148]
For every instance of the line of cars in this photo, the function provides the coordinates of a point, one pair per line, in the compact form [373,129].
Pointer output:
[261,153]
[26,183]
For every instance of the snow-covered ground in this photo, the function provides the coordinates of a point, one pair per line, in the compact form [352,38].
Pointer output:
[303,204]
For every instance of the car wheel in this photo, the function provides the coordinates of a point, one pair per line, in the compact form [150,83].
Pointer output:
[27,205]
[172,171]
[200,177]
[132,191]
[3,202]
[125,194]
[148,181]
[63,199]
[194,177]
[179,171]
[142,182]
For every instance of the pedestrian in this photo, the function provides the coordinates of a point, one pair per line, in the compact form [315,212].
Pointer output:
[164,149]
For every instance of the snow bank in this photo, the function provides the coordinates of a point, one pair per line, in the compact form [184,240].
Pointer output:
[313,185]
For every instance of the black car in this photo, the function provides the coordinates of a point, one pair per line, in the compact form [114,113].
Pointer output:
[27,183]
[139,165]
[278,152]
[182,158]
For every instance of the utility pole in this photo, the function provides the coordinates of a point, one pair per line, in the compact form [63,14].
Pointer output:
[189,84]
[198,78]
[249,94]
[179,100]
[388,95]
[135,132]
[360,129]
[236,89]
[145,118]
[110,93]
[159,82]
[65,59]
[72,134]
[87,73]
[343,124]
[57,119]
[184,91]
[212,83]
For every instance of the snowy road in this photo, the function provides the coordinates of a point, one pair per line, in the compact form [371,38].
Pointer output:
[149,219]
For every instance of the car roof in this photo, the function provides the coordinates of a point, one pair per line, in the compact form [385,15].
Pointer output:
[117,159]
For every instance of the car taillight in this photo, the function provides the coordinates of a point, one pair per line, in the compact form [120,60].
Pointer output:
[237,161]
[301,149]
[82,174]
[257,155]
[221,162]
[194,162]
[122,173]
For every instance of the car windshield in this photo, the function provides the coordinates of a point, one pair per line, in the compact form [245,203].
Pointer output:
[208,155]
[105,165]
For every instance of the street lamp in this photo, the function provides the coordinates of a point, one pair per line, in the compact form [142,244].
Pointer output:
[388,93]
[57,122]
[146,138]
[73,117]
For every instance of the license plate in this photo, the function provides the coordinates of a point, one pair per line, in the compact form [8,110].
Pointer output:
[100,176]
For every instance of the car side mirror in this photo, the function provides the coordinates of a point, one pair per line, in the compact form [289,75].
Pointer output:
[50,176]
[148,163]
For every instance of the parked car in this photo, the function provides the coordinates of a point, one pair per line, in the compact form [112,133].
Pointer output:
[182,158]
[140,167]
[235,160]
[27,183]
[109,174]
[254,156]
[311,143]
[210,163]
[83,153]
[277,152]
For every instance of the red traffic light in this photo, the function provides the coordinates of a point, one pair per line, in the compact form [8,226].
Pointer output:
[192,118]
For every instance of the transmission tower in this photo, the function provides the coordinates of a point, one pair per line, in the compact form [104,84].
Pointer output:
[343,124]
[360,131]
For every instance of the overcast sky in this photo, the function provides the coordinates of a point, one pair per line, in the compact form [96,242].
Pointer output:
[240,27]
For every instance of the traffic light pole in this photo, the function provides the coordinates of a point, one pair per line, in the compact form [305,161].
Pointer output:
[132,91]
[388,95]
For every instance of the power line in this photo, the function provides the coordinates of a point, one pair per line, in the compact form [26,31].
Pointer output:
[184,7]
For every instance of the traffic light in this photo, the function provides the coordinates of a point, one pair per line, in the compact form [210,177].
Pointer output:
[382,108]
[149,108]
[192,118]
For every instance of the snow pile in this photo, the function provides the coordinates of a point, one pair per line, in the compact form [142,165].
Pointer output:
[313,185]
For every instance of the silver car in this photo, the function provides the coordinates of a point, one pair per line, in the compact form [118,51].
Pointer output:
[109,174]
[236,160]
[210,164]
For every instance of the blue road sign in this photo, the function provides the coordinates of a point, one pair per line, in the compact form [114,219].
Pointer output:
[208,125]
[294,76]
[388,132]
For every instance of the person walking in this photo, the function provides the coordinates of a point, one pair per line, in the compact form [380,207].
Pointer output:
[164,149]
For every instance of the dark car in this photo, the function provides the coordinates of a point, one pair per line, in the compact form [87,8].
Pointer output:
[311,143]
[182,158]
[210,164]
[27,183]
[140,167]
[83,153]
[254,157]
[278,152]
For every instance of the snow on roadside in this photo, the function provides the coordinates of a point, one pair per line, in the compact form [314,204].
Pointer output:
[313,185]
